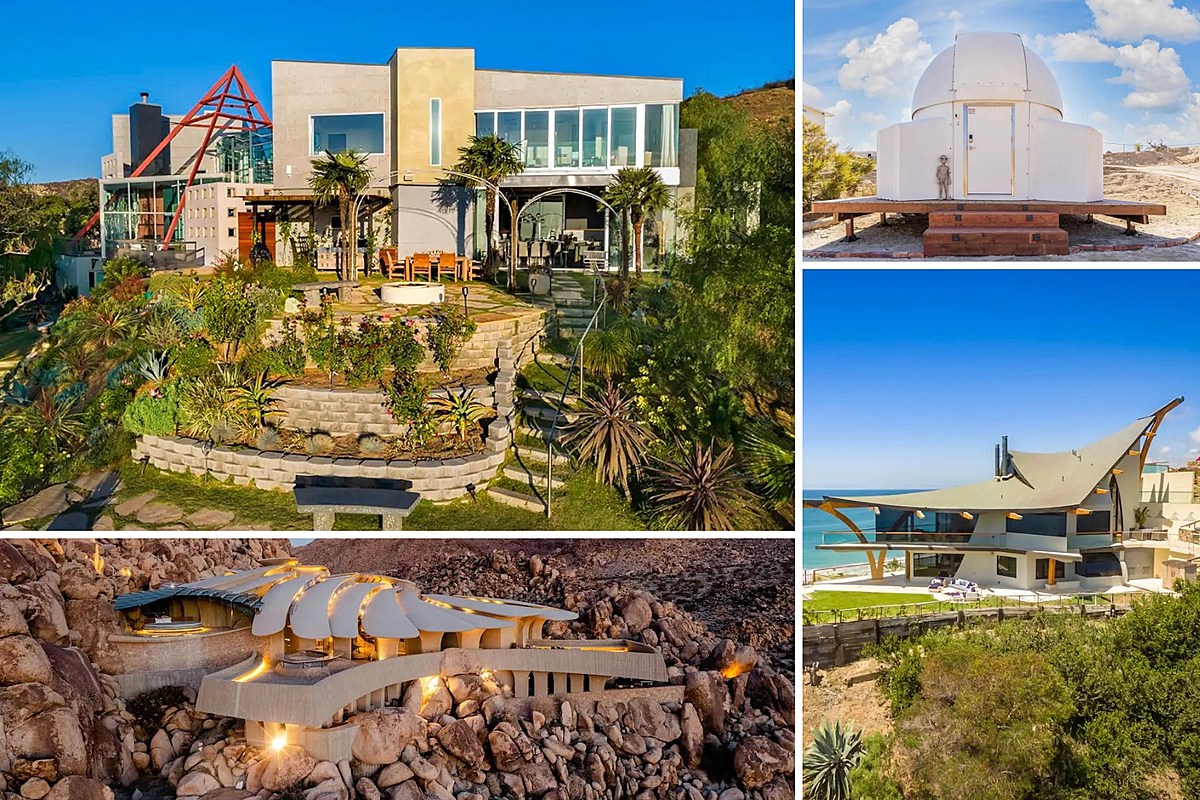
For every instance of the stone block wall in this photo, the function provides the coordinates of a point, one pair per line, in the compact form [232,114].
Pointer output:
[211,651]
[350,411]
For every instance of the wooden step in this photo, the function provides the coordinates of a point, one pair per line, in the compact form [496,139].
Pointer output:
[996,242]
[993,219]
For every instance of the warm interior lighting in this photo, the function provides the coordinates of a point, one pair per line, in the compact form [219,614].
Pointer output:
[733,670]
[920,514]
[966,515]
[1081,511]
[97,561]
[252,674]
[1014,515]
[1101,491]
[279,742]
[1117,471]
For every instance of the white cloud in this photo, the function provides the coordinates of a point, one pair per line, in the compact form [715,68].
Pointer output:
[1130,20]
[1162,451]
[1099,117]
[1077,46]
[812,95]
[1195,436]
[1154,72]
[873,117]
[956,21]
[888,65]
[839,125]
[1193,451]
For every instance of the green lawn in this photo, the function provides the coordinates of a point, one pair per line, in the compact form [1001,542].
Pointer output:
[544,377]
[15,345]
[582,504]
[830,601]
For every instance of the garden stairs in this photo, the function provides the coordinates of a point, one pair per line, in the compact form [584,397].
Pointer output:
[994,233]
[570,306]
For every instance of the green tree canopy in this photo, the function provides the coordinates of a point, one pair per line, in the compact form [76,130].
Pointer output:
[829,173]
[492,159]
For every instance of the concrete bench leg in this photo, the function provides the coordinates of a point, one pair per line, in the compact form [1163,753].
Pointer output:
[392,521]
[312,298]
[323,520]
[343,293]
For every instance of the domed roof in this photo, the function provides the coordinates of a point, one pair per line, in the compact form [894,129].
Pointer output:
[987,66]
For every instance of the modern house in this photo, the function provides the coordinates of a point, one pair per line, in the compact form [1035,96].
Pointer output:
[410,115]
[1059,521]
[296,651]
[815,115]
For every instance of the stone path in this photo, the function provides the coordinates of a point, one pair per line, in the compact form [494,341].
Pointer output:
[158,514]
[48,502]
[133,505]
[209,518]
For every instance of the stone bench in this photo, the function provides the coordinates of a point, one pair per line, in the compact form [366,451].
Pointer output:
[312,291]
[325,502]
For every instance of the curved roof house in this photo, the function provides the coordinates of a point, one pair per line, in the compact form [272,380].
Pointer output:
[1020,527]
[305,649]
[992,106]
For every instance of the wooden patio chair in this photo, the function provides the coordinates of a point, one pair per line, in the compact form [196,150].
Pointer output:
[389,259]
[422,264]
[447,263]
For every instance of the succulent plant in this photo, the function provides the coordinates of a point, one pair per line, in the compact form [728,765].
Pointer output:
[828,760]
[268,438]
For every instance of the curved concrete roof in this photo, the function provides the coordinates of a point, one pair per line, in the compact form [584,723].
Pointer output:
[318,605]
[987,66]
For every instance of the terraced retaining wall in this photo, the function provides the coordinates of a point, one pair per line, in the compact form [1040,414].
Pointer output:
[347,411]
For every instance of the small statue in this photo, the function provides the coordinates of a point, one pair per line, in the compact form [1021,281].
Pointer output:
[943,178]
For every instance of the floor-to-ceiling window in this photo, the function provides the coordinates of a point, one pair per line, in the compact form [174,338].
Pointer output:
[662,135]
[337,132]
[485,123]
[595,137]
[537,139]
[508,126]
[566,138]
[624,137]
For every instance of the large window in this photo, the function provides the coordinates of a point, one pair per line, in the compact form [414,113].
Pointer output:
[508,126]
[1006,566]
[1042,569]
[566,138]
[485,123]
[624,137]
[595,137]
[935,565]
[435,131]
[1095,522]
[337,132]
[662,135]
[1038,524]
[537,138]
[1098,565]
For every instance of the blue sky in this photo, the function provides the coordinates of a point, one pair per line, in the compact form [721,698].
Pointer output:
[67,66]
[910,377]
[1126,67]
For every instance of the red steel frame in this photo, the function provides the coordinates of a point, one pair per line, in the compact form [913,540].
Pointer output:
[232,92]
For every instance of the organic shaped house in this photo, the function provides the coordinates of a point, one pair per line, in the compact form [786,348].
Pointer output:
[992,106]
[295,651]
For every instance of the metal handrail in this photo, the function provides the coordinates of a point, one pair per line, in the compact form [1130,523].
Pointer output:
[562,399]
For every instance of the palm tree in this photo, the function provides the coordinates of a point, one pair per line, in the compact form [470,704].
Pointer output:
[701,491]
[770,458]
[639,193]
[342,176]
[828,760]
[492,159]
[607,434]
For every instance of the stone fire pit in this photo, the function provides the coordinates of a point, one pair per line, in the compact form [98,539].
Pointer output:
[411,293]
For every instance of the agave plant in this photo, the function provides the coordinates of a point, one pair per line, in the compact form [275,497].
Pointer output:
[608,434]
[834,751]
[153,367]
[254,400]
[701,490]
[55,416]
[460,410]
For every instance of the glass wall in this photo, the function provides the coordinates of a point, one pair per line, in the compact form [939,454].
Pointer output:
[337,132]
[939,565]
[1006,566]
[537,139]
[1038,524]
[1042,569]
[1095,522]
[508,126]
[566,138]
[1098,565]
[624,137]
[485,123]
[662,135]
[595,137]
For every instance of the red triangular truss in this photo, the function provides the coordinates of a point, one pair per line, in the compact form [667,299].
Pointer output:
[229,104]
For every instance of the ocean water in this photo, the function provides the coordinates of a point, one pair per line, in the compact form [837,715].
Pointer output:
[814,524]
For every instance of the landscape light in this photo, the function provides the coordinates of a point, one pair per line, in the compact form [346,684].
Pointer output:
[465,312]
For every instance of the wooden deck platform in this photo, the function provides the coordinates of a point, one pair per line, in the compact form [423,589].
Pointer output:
[850,207]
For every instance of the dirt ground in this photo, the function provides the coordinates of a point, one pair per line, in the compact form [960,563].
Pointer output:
[1170,176]
[860,705]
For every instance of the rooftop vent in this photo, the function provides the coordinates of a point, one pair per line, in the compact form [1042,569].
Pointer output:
[145,97]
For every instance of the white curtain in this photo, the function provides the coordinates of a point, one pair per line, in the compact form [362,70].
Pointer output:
[670,137]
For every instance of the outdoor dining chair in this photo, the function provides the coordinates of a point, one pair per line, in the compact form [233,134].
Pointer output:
[388,260]
[422,264]
[447,263]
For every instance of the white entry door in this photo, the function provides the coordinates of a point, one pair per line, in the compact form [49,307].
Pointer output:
[990,149]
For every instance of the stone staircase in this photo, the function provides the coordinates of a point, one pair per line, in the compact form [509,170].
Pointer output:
[994,233]
[569,306]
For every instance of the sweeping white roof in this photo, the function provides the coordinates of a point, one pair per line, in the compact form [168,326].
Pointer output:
[317,604]
[987,66]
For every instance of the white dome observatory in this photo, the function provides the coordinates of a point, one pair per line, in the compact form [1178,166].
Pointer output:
[993,107]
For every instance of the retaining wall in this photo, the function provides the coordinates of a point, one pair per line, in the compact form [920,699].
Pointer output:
[346,411]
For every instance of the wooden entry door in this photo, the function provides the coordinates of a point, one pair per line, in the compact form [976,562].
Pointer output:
[245,229]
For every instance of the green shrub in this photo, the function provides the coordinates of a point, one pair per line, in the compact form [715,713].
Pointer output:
[869,779]
[407,403]
[365,350]
[268,438]
[194,356]
[24,466]
[446,335]
[321,339]
[317,442]
[154,413]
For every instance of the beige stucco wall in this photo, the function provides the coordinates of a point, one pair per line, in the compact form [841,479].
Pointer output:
[303,88]
[510,89]
[418,74]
